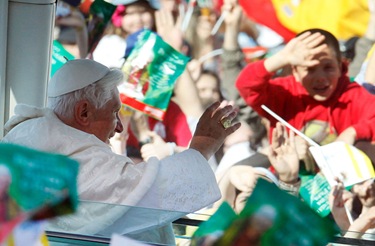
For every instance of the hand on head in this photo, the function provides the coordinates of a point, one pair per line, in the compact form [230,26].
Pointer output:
[300,51]
[210,132]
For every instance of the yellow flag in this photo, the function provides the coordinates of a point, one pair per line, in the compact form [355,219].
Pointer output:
[343,18]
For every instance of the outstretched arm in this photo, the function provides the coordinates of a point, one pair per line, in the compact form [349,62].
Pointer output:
[77,21]
[185,91]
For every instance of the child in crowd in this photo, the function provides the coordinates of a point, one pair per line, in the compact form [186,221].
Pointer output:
[318,97]
[319,100]
[127,19]
[208,85]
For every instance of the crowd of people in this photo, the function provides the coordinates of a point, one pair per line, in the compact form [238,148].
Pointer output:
[215,140]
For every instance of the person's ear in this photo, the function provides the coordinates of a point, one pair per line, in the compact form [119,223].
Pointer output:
[82,113]
[344,67]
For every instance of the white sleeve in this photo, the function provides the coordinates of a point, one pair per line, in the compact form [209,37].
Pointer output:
[185,183]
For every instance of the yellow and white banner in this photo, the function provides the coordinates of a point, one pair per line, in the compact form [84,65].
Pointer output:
[343,161]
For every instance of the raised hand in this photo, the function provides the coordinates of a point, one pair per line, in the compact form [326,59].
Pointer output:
[301,50]
[233,13]
[283,154]
[338,197]
[169,29]
[302,147]
[211,132]
[77,21]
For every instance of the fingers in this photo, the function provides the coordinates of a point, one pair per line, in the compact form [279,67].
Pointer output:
[168,18]
[158,21]
[278,136]
[226,7]
[314,43]
[313,40]
[225,114]
[275,137]
[219,110]
[178,20]
[226,121]
[340,195]
[164,18]
[210,133]
[243,177]
[337,190]
[209,112]
[303,36]
[155,138]
[233,128]
[147,152]
[292,139]
[226,111]
[306,46]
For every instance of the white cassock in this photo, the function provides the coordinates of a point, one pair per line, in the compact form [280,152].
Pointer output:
[182,183]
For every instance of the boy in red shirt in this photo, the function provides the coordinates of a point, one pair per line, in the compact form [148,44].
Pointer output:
[318,97]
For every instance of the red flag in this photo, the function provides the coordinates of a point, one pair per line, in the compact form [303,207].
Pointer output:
[263,12]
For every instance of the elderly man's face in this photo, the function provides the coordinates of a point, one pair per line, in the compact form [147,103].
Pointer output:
[106,121]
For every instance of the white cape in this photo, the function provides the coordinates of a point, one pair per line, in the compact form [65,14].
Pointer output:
[183,182]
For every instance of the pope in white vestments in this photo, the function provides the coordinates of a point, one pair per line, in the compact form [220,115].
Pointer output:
[182,182]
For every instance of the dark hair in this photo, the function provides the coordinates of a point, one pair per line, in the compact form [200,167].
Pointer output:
[330,40]
[207,71]
[73,3]
[213,74]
